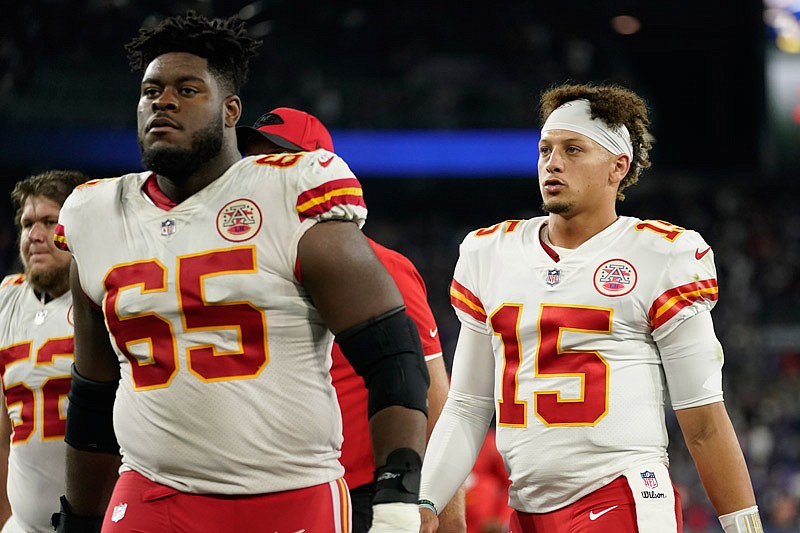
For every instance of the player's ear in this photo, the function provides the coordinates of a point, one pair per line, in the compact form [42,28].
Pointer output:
[233,110]
[619,169]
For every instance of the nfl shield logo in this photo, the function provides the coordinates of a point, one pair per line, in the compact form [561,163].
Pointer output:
[649,479]
[167,227]
[119,512]
[553,276]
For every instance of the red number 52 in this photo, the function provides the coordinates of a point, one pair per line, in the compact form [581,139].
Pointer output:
[49,399]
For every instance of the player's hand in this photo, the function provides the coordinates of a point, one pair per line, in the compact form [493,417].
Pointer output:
[430,522]
[395,517]
[452,519]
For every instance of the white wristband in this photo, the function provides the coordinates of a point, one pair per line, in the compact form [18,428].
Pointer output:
[743,521]
[395,517]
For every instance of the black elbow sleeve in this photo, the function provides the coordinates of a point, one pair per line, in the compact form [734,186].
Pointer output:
[387,352]
[90,418]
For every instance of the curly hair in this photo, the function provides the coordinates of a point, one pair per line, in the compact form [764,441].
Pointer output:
[55,185]
[615,105]
[222,42]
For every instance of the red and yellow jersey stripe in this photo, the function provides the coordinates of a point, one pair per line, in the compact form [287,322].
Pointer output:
[13,279]
[463,299]
[60,239]
[322,199]
[672,301]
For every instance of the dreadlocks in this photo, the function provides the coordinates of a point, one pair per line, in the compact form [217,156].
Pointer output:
[222,42]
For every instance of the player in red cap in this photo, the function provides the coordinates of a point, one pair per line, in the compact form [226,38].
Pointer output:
[289,129]
[286,129]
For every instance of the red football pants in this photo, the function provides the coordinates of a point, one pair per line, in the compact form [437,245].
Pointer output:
[139,505]
[610,508]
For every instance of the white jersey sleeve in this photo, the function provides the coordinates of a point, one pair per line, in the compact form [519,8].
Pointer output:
[224,359]
[692,358]
[461,428]
[688,278]
[35,358]
[683,330]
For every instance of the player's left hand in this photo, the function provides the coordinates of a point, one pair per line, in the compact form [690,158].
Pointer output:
[395,517]
[430,522]
[452,519]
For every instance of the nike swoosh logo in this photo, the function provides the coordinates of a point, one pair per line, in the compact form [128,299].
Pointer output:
[594,516]
[433,331]
[327,161]
[699,255]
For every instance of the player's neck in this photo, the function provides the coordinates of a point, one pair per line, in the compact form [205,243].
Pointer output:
[179,190]
[50,294]
[570,232]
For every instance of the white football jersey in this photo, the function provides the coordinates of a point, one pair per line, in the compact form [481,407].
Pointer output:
[225,361]
[579,384]
[35,358]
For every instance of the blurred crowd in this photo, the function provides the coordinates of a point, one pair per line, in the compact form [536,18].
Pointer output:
[354,66]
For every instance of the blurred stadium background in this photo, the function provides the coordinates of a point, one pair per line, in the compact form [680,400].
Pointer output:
[433,106]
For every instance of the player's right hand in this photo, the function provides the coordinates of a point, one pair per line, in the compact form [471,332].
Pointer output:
[395,517]
[430,522]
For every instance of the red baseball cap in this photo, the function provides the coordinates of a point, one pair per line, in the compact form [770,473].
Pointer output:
[289,128]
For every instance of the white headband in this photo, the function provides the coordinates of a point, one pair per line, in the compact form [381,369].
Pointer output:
[576,116]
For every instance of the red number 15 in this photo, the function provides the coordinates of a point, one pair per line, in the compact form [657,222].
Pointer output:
[552,361]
